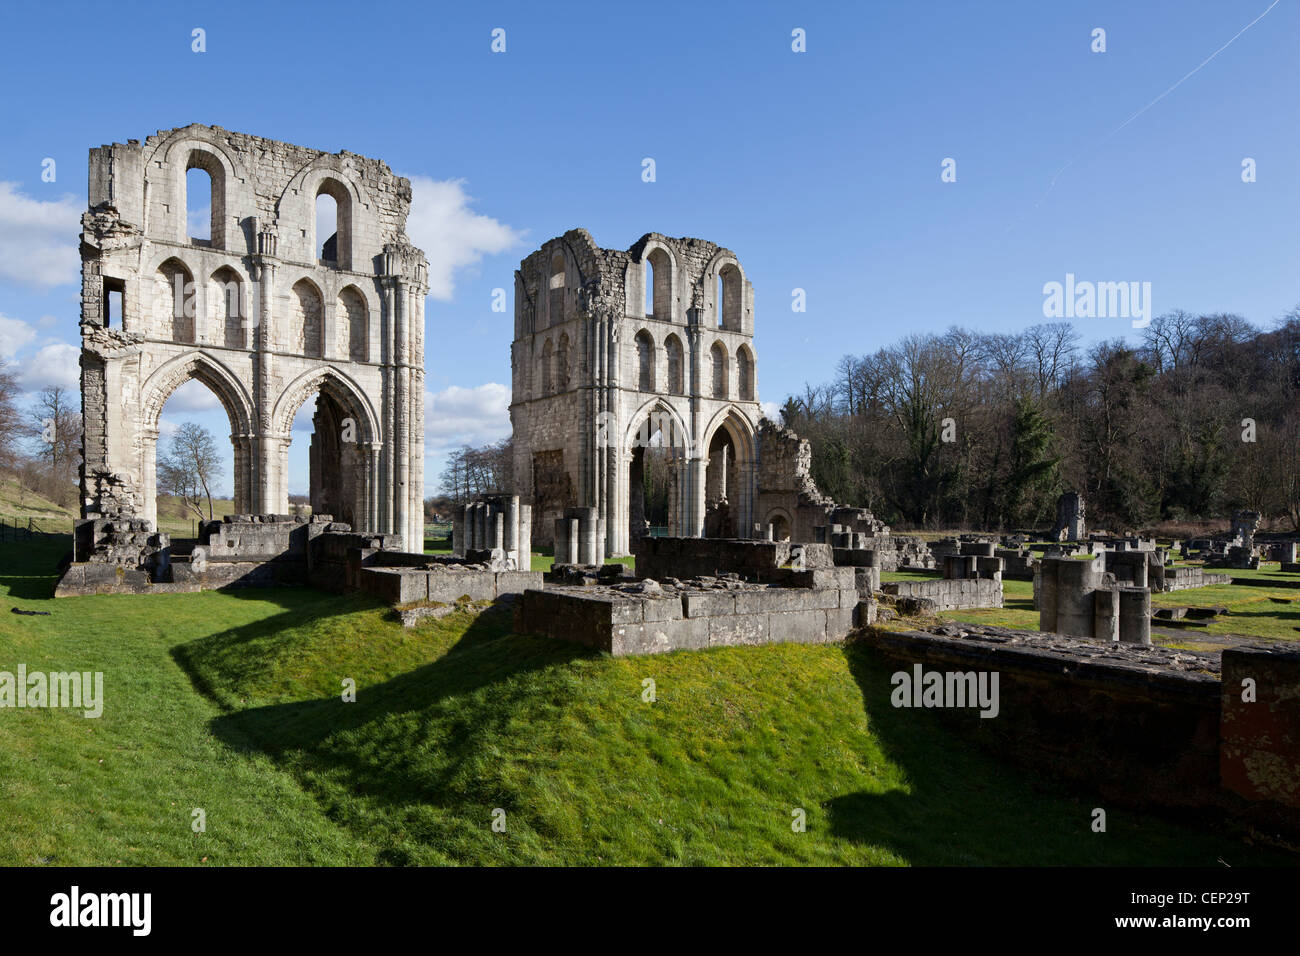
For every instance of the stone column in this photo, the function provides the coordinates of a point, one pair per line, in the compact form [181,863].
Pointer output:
[512,524]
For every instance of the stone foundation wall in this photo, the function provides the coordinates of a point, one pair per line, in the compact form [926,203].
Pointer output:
[950,594]
[1142,726]
[754,560]
[623,622]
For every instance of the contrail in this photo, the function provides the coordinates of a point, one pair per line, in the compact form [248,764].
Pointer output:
[1188,76]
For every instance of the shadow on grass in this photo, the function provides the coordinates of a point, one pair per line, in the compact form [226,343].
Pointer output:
[29,570]
[952,811]
[412,740]
[964,805]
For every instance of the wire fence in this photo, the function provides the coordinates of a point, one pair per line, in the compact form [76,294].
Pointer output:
[24,529]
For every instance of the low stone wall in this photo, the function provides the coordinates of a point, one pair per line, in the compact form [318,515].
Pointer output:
[1182,579]
[648,619]
[661,558]
[444,583]
[950,594]
[1141,725]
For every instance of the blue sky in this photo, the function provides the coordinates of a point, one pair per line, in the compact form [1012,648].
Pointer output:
[821,170]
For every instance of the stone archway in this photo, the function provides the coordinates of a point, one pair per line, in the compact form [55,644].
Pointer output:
[234,399]
[730,474]
[343,455]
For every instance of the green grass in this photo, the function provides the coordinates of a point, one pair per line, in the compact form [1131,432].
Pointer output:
[121,788]
[231,702]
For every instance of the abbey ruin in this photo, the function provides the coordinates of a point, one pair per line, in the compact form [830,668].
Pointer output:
[619,359]
[616,353]
[256,316]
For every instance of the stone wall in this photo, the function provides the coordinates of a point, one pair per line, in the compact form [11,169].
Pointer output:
[949,594]
[1141,726]
[661,558]
[596,380]
[699,614]
[259,317]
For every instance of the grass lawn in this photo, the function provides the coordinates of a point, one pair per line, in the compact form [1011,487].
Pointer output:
[231,702]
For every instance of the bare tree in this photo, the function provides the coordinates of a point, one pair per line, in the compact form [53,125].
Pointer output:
[189,468]
[56,426]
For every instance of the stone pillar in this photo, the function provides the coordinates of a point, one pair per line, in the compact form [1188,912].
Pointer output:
[525,546]
[572,540]
[1105,603]
[499,531]
[512,523]
[561,548]
[266,453]
[1135,615]
[458,531]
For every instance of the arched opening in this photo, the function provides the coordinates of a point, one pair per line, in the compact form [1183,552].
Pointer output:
[198,206]
[655,476]
[548,361]
[192,461]
[333,224]
[329,472]
[352,326]
[730,306]
[555,303]
[780,527]
[645,361]
[745,373]
[172,315]
[327,236]
[676,365]
[204,200]
[306,325]
[720,486]
[226,320]
[562,364]
[648,283]
[718,363]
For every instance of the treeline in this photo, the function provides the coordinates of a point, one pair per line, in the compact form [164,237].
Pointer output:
[972,430]
[473,471]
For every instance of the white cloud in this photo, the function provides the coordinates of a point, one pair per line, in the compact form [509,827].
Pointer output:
[466,416]
[39,238]
[452,236]
[14,334]
[192,396]
[772,410]
[57,364]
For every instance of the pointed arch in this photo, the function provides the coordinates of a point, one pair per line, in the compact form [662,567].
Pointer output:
[226,320]
[745,373]
[352,325]
[338,385]
[644,344]
[306,319]
[174,302]
[718,364]
[676,356]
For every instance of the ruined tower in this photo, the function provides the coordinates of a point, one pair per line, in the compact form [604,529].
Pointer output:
[623,357]
[263,311]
